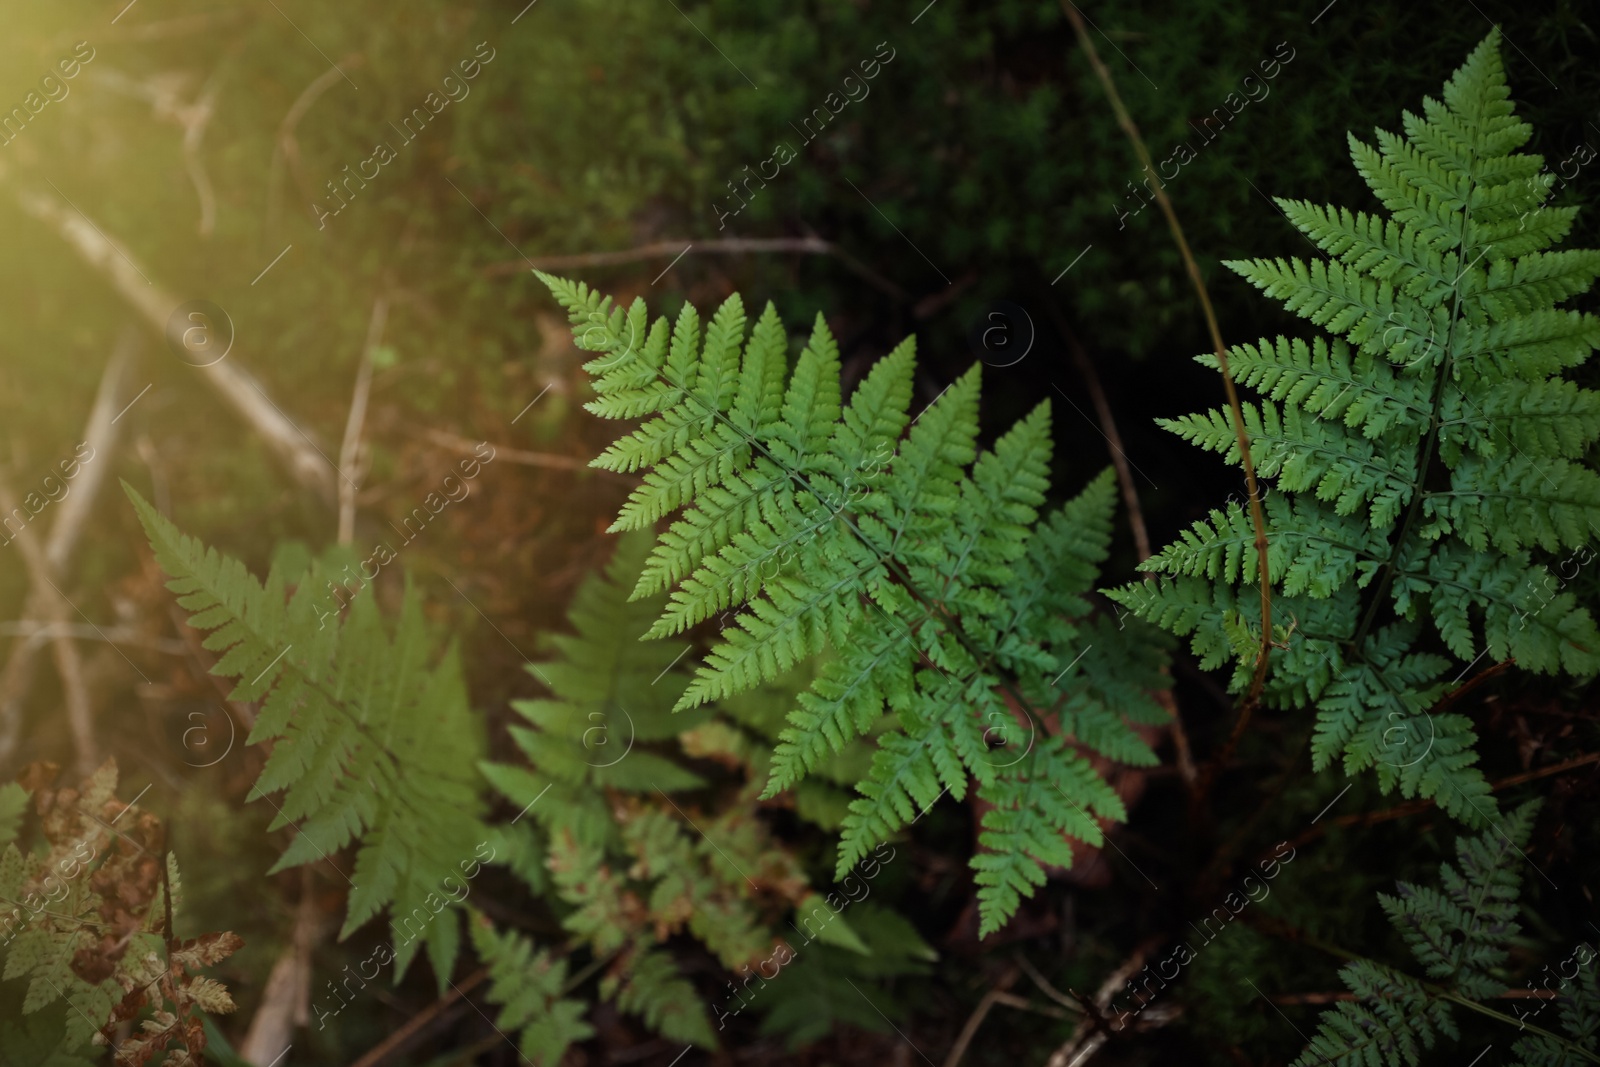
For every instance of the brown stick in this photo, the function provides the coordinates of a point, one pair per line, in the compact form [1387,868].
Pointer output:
[1257,517]
[69,664]
[726,246]
[1414,807]
[296,450]
[285,999]
[457,443]
[100,433]
[287,149]
[1090,1034]
[420,1021]
[71,516]
[1141,534]
[975,1020]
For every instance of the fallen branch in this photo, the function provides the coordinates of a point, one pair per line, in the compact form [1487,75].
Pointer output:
[293,447]
[69,664]
[420,1021]
[40,632]
[726,246]
[975,1020]
[286,998]
[1093,1032]
[66,527]
[286,152]
[1416,807]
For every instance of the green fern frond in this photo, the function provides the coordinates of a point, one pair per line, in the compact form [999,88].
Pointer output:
[1421,456]
[1391,1025]
[1461,934]
[369,743]
[529,984]
[916,566]
[1580,1017]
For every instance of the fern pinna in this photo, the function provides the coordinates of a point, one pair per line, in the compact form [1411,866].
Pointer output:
[1461,934]
[368,741]
[1424,456]
[920,562]
[627,867]
[93,932]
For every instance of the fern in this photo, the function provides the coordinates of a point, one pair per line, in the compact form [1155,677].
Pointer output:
[529,985]
[1461,934]
[368,742]
[848,525]
[1424,455]
[90,930]
[626,865]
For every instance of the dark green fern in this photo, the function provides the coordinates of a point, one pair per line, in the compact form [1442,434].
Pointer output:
[1461,934]
[370,745]
[892,540]
[1425,455]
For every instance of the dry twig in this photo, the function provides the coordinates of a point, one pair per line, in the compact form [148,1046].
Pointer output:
[286,998]
[293,447]
[420,1021]
[57,610]
[66,527]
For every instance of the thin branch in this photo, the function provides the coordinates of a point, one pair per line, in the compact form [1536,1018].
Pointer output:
[293,447]
[286,152]
[1093,1032]
[555,461]
[1044,984]
[975,1020]
[1415,807]
[286,997]
[40,632]
[420,1021]
[161,92]
[1473,683]
[66,527]
[69,664]
[173,27]
[350,449]
[1257,517]
[1141,534]
[725,246]
[1108,426]
[100,433]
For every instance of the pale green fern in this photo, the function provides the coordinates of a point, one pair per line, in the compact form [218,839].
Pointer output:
[921,562]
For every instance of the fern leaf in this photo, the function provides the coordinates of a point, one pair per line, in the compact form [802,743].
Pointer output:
[1446,348]
[368,742]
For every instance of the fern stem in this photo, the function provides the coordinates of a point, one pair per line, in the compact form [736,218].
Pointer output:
[1484,1009]
[1257,517]
[1430,440]
[1284,930]
[932,611]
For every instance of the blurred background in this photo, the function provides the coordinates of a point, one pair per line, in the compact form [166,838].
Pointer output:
[350,196]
